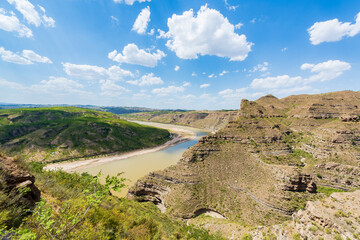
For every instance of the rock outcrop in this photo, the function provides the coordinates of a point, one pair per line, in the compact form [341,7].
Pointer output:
[16,178]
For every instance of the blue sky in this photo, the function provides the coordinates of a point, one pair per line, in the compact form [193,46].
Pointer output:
[175,54]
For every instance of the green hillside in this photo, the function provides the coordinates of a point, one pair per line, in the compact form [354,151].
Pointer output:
[60,133]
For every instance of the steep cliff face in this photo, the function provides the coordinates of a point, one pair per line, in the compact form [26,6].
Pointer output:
[266,163]
[15,178]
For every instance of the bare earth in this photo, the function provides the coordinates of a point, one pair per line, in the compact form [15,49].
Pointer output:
[180,135]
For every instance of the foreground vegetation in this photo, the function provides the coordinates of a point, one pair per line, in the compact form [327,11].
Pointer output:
[60,133]
[75,206]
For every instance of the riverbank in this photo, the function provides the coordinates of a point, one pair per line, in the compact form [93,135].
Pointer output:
[180,135]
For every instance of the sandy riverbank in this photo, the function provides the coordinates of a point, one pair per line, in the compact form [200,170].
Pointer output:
[180,135]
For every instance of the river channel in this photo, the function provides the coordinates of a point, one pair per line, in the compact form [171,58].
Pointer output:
[137,167]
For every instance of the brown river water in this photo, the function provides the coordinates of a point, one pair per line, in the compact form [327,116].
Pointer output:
[137,167]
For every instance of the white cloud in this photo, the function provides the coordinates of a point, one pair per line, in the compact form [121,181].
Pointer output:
[27,10]
[152,32]
[32,16]
[130,2]
[205,85]
[238,26]
[293,90]
[168,90]
[147,80]
[162,34]
[142,21]
[9,56]
[91,72]
[47,21]
[193,74]
[53,86]
[211,75]
[275,82]
[10,23]
[229,6]
[59,85]
[28,57]
[34,57]
[186,84]
[13,85]
[333,30]
[223,73]
[208,33]
[111,89]
[176,68]
[284,49]
[231,93]
[260,67]
[133,55]
[326,71]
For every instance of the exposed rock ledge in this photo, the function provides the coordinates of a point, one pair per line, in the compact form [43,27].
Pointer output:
[17,178]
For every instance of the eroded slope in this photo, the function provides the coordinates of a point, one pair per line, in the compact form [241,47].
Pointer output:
[266,164]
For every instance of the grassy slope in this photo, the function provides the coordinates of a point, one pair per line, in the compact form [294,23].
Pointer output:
[114,218]
[58,133]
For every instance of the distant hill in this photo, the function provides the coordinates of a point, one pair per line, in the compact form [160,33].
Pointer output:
[59,133]
[207,120]
[112,109]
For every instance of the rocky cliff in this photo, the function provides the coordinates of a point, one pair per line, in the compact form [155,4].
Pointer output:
[15,178]
[266,163]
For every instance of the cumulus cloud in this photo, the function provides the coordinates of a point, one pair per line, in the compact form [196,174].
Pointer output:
[91,72]
[53,86]
[130,2]
[28,57]
[168,90]
[333,30]
[193,74]
[147,80]
[141,22]
[232,93]
[205,85]
[9,56]
[324,71]
[10,23]
[206,33]
[177,68]
[27,9]
[34,57]
[111,89]
[59,85]
[275,82]
[162,34]
[133,55]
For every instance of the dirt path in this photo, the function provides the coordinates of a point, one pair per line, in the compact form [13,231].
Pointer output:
[180,135]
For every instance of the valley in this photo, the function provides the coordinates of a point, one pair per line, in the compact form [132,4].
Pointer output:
[285,168]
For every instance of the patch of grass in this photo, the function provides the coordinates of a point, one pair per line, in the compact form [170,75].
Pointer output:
[327,191]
